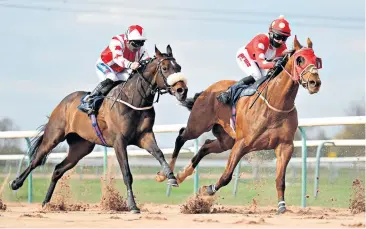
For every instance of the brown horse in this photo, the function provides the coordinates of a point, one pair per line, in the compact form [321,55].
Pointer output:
[129,122]
[270,124]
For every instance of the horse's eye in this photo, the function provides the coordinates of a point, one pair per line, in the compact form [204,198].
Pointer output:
[165,68]
[300,60]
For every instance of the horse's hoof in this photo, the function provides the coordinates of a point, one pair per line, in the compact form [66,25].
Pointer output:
[44,204]
[179,180]
[13,185]
[281,210]
[159,177]
[135,210]
[206,191]
[173,182]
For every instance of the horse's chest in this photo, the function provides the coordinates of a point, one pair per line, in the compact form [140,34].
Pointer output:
[266,132]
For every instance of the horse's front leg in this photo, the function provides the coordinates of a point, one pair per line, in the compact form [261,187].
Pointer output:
[283,153]
[120,146]
[147,141]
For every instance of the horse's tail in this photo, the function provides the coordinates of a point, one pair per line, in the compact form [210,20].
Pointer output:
[189,102]
[36,142]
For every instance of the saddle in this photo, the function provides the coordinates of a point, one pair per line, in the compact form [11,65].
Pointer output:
[96,102]
[238,91]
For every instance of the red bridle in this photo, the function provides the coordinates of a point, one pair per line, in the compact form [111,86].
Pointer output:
[312,64]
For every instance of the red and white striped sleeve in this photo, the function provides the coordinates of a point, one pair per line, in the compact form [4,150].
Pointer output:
[117,47]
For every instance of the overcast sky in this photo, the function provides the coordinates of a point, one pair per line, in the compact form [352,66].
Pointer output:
[49,54]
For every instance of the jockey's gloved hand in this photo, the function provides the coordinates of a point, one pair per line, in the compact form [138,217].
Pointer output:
[135,65]
[278,64]
[144,62]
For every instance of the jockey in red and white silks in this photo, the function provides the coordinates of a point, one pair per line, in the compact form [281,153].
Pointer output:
[255,58]
[117,61]
[121,56]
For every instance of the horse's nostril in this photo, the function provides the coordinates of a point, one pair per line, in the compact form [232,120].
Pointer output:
[312,83]
[180,90]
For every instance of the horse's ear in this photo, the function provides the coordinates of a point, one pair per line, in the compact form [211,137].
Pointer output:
[169,50]
[297,44]
[310,43]
[157,52]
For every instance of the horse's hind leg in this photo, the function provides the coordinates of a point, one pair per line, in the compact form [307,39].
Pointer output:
[221,144]
[51,137]
[79,148]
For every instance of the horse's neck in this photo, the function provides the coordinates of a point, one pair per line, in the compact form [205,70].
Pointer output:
[282,90]
[137,91]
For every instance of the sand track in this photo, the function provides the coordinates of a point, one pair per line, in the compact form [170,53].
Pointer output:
[155,215]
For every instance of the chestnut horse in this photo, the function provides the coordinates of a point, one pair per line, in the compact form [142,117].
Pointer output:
[270,124]
[128,122]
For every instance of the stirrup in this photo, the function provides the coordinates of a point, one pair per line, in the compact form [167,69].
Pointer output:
[86,108]
[224,97]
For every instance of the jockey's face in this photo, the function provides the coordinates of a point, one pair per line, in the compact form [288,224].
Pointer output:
[279,37]
[277,40]
[136,44]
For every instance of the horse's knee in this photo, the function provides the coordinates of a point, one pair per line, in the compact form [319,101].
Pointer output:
[208,141]
[181,130]
[37,161]
[57,174]
[280,184]
[128,179]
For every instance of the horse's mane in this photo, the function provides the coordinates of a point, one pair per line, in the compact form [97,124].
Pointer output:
[138,73]
[289,51]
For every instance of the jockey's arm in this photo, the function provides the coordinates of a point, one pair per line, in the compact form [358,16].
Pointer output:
[259,50]
[117,48]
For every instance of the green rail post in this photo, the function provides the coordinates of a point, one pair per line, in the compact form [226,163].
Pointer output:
[304,156]
[236,179]
[105,162]
[30,180]
[196,173]
[316,176]
[195,176]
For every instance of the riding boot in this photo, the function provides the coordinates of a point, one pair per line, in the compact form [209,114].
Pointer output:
[101,89]
[225,97]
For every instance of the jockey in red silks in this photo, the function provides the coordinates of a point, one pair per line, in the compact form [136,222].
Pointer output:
[117,61]
[255,58]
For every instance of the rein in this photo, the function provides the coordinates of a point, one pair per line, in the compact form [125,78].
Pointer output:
[312,68]
[151,85]
[266,87]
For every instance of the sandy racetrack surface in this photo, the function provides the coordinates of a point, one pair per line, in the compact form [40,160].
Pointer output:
[155,215]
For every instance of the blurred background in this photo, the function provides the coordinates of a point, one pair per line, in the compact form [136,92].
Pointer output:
[49,49]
